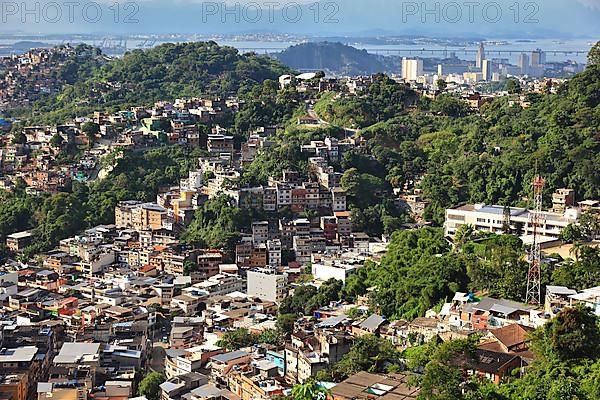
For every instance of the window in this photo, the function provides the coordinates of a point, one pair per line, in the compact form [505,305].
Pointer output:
[456,217]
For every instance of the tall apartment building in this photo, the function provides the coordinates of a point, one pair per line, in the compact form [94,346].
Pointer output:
[260,232]
[124,213]
[344,223]
[267,285]
[243,252]
[270,199]
[538,61]
[18,241]
[284,194]
[208,265]
[303,248]
[219,143]
[480,56]
[523,63]
[411,69]
[149,217]
[538,58]
[329,226]
[274,256]
[486,70]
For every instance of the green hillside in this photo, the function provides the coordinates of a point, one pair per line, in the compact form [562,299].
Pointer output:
[165,72]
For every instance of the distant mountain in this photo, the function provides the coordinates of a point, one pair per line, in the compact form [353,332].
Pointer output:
[20,47]
[333,57]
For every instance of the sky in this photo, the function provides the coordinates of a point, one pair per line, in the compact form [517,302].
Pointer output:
[559,19]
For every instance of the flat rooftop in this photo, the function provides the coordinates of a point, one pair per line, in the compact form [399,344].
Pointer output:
[20,235]
[74,352]
[364,385]
[19,354]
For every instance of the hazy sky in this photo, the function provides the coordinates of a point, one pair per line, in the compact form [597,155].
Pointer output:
[501,18]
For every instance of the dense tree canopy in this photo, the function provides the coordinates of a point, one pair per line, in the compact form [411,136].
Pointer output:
[217,224]
[416,273]
[383,100]
[420,270]
[368,353]
[308,298]
[566,365]
[142,77]
[594,54]
[488,156]
[580,272]
[240,338]
[150,385]
[136,176]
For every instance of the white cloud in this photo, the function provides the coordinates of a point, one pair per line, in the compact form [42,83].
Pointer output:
[593,4]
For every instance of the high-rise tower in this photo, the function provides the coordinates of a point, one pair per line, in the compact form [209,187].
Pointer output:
[480,56]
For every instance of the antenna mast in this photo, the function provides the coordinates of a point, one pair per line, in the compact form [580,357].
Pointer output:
[536,219]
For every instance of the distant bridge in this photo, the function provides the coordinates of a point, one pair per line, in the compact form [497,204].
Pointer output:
[436,51]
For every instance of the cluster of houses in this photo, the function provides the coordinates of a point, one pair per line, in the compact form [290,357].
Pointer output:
[119,298]
[77,333]
[35,163]
[81,321]
[35,157]
[28,76]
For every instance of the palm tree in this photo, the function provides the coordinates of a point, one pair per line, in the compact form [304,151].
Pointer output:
[576,250]
[463,235]
[309,390]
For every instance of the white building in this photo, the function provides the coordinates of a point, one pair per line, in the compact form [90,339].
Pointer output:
[411,69]
[274,249]
[218,285]
[325,271]
[491,218]
[589,297]
[284,195]
[260,233]
[486,70]
[267,285]
[338,199]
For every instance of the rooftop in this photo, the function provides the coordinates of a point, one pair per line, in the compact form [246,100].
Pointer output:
[500,305]
[332,321]
[75,352]
[226,357]
[512,334]
[19,354]
[364,385]
[560,290]
[20,235]
[372,323]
